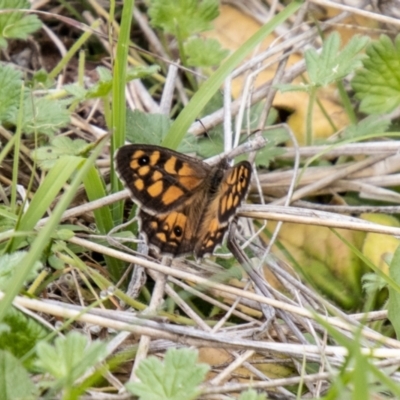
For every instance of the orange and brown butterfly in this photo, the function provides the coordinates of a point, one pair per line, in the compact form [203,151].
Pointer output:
[185,205]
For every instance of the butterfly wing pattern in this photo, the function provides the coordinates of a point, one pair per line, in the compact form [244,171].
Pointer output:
[185,205]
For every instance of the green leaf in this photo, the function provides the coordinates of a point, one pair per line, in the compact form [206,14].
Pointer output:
[104,86]
[204,52]
[141,72]
[64,234]
[69,358]
[67,166]
[251,394]
[372,283]
[368,126]
[334,64]
[42,115]
[47,156]
[9,265]
[55,262]
[23,334]
[146,128]
[377,84]
[394,295]
[10,83]
[16,25]
[7,219]
[76,90]
[183,18]
[176,378]
[14,379]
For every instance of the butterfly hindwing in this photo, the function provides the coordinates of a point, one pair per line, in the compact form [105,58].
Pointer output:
[170,233]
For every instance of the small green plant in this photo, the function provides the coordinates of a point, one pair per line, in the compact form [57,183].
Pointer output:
[177,378]
[377,84]
[185,19]
[329,66]
[14,379]
[9,264]
[20,335]
[68,360]
[16,24]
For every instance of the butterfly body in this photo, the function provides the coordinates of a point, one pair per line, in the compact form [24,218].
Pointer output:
[185,205]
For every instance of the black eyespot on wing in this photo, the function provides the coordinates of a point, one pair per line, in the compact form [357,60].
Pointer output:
[144,160]
[166,232]
[178,231]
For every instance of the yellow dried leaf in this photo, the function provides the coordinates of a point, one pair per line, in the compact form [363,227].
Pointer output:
[378,247]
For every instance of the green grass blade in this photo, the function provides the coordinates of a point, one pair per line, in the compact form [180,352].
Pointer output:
[45,195]
[47,231]
[118,127]
[95,189]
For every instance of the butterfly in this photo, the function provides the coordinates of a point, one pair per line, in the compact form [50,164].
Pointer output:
[185,205]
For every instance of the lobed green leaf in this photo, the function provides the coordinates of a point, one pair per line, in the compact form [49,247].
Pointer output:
[377,84]
[176,378]
[204,52]
[183,18]
[14,379]
[14,24]
[10,83]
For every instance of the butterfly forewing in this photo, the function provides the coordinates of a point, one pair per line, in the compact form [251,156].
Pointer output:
[159,179]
